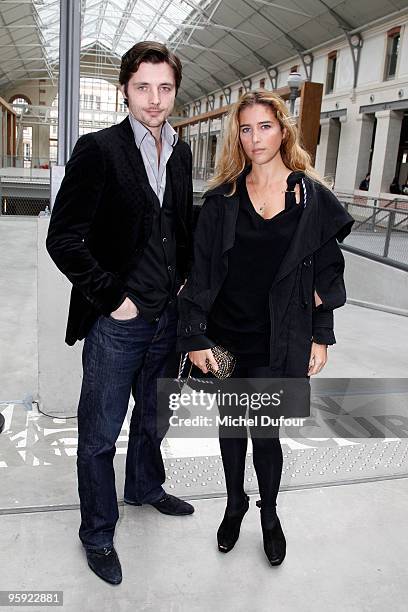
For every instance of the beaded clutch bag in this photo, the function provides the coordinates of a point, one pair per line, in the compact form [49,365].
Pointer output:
[225,360]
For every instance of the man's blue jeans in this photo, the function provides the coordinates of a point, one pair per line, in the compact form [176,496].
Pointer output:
[120,357]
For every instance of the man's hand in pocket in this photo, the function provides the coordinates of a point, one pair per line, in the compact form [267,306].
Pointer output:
[127,310]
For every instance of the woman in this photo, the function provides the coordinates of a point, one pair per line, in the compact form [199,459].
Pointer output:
[267,274]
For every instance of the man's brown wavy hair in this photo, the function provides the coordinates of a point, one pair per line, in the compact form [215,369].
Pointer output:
[152,52]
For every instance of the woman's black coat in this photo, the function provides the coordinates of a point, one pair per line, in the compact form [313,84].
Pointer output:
[314,261]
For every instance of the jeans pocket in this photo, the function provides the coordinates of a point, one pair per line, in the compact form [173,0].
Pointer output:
[123,321]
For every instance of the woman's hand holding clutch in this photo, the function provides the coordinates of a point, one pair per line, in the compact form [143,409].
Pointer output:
[199,358]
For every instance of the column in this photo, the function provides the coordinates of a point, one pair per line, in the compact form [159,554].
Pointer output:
[1,137]
[197,146]
[327,152]
[220,138]
[206,146]
[321,151]
[363,160]
[387,137]
[5,133]
[68,84]
[348,151]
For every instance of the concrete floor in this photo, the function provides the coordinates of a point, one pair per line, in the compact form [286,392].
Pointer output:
[342,556]
[347,548]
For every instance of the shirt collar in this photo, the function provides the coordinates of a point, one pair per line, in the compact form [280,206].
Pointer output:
[140,131]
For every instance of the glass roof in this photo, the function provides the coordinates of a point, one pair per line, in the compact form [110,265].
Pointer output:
[117,24]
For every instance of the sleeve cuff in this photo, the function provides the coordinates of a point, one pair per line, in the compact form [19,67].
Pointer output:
[324,335]
[193,343]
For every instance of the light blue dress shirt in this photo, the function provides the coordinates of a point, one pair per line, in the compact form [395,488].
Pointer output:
[145,142]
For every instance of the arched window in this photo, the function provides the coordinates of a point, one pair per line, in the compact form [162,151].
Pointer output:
[19,102]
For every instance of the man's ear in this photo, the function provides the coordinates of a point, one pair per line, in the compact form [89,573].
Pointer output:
[123,90]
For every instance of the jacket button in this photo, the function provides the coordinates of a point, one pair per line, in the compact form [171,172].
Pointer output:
[307,262]
[304,304]
[188,329]
[203,326]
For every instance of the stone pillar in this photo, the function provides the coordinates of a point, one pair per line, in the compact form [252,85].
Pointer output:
[195,150]
[366,136]
[348,152]
[321,151]
[327,152]
[1,137]
[387,137]
[332,149]
[220,138]
[41,144]
[197,145]
[4,137]
[20,146]
[206,147]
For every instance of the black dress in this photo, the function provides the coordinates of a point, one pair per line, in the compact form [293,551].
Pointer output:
[239,319]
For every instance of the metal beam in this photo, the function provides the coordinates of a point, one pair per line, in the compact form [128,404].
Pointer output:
[69,79]
[305,57]
[355,41]
[130,5]
[7,28]
[41,36]
[343,23]
[159,13]
[101,15]
[240,75]
[284,8]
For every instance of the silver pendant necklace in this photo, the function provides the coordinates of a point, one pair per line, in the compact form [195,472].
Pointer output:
[264,204]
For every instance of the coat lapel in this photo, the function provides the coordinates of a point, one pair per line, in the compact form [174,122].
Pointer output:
[303,243]
[321,219]
[177,177]
[134,157]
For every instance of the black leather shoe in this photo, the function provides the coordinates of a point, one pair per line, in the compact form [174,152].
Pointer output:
[228,531]
[131,503]
[169,504]
[105,563]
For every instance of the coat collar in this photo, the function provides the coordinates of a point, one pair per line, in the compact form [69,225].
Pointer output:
[141,179]
[322,218]
[225,188]
[133,155]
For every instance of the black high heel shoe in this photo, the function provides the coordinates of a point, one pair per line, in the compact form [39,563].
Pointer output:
[274,541]
[228,531]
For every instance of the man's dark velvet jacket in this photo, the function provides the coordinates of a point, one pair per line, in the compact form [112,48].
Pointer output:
[102,219]
[314,261]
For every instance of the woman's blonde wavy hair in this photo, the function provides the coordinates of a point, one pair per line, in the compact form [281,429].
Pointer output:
[233,159]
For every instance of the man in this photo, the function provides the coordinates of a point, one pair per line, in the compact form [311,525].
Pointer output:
[120,231]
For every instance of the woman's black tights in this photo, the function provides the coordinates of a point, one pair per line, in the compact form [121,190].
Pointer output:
[267,459]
